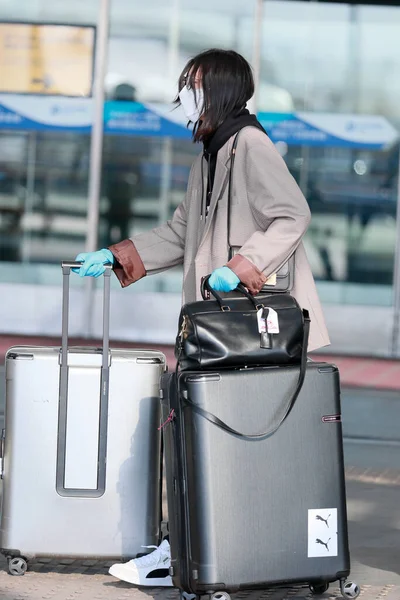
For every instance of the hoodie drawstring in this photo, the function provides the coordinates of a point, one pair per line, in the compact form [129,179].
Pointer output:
[209,187]
[202,188]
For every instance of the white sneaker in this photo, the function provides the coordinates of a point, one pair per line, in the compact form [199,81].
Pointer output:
[150,570]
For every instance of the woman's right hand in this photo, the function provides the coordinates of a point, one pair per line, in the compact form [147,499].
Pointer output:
[93,262]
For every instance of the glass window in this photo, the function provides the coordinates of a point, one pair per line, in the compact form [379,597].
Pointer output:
[44,195]
[43,172]
[328,59]
[144,179]
[13,177]
[320,58]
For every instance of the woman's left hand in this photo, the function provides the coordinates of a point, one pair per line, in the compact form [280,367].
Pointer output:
[223,280]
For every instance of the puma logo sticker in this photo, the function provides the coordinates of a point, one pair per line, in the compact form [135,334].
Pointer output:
[319,518]
[318,541]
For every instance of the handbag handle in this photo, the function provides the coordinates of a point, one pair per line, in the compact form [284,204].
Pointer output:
[255,436]
[205,287]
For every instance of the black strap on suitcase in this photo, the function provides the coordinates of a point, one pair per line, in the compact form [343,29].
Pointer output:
[222,425]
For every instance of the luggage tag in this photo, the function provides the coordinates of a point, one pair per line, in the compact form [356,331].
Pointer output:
[261,322]
[272,321]
[268,324]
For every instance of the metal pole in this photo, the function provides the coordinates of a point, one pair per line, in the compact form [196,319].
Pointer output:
[166,178]
[354,59]
[30,195]
[167,154]
[173,39]
[305,149]
[96,148]
[256,58]
[173,59]
[394,349]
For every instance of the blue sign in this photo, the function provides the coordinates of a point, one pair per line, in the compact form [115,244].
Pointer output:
[133,118]
[44,113]
[327,129]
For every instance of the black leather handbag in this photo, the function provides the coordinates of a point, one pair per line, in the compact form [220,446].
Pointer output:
[236,332]
[284,277]
[225,332]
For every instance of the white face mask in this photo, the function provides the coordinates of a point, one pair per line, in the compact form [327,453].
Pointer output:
[192,103]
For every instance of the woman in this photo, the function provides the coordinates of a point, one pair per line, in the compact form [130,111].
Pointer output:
[269,216]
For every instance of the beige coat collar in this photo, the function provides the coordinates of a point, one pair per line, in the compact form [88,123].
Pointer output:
[221,181]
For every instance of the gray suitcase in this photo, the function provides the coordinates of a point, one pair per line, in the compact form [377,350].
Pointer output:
[250,513]
[81,451]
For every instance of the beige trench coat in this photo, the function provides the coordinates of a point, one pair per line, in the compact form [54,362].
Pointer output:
[269,218]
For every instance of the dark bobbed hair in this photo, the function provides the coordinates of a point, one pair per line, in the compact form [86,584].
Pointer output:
[227,82]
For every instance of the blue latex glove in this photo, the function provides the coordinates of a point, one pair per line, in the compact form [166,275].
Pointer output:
[223,280]
[93,262]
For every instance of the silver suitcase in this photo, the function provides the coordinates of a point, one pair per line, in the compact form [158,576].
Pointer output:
[81,450]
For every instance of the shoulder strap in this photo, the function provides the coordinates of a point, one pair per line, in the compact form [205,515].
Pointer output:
[303,366]
[233,154]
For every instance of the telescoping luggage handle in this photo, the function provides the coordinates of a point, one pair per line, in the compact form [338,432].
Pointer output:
[66,269]
[63,394]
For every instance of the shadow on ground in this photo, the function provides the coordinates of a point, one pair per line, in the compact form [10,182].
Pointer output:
[374,524]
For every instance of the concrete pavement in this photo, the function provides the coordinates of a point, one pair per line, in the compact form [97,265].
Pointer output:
[374,523]
[372,456]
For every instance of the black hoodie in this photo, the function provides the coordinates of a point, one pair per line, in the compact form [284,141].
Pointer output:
[214,143]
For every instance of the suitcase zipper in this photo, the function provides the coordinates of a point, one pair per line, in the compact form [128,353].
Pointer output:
[169,419]
[149,360]
[2,439]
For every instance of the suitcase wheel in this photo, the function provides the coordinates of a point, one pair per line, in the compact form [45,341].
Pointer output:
[17,566]
[349,589]
[317,589]
[220,596]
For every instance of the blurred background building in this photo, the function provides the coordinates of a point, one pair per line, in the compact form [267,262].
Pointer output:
[328,90]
